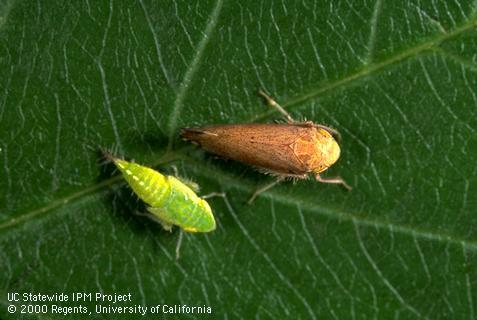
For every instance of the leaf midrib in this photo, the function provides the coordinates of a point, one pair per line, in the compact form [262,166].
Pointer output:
[232,181]
[294,102]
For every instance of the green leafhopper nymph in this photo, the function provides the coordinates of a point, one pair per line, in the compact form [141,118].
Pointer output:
[169,199]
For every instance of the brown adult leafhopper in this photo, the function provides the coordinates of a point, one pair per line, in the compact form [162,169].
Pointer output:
[287,150]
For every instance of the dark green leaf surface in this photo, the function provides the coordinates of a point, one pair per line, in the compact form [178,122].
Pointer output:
[397,79]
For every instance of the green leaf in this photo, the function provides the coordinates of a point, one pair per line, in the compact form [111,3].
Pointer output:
[397,79]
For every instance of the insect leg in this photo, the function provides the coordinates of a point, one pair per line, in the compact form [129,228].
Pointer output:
[272,103]
[176,172]
[264,188]
[165,225]
[179,243]
[337,180]
[214,194]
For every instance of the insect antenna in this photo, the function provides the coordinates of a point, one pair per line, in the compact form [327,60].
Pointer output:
[106,158]
[272,103]
[107,155]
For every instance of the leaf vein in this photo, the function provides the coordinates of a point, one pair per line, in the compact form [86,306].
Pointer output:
[191,70]
[368,70]
[376,269]
[157,45]
[373,30]
[267,258]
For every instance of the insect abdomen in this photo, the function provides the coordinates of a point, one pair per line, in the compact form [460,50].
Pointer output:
[148,184]
[168,198]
